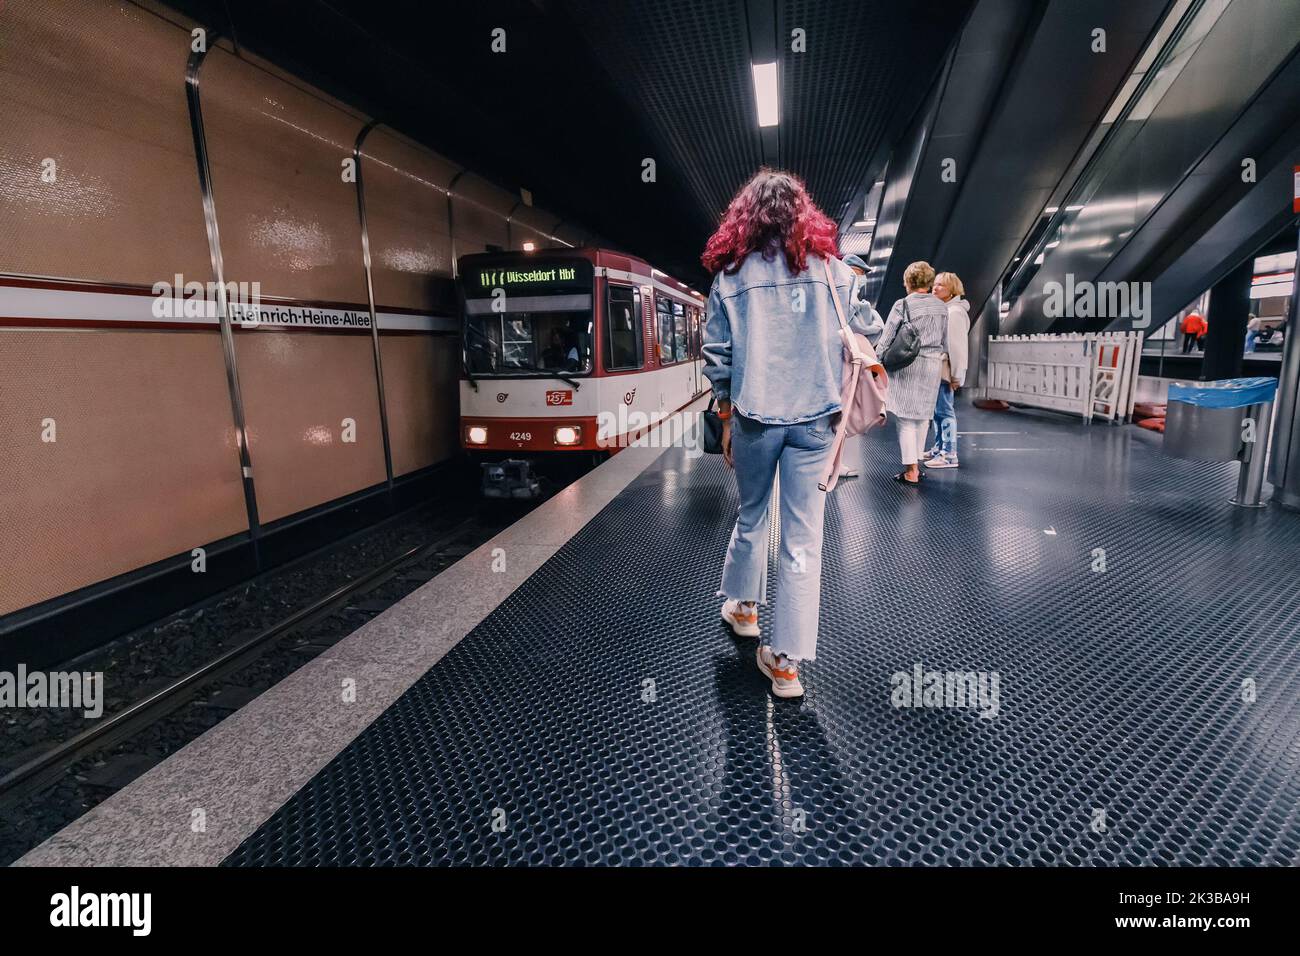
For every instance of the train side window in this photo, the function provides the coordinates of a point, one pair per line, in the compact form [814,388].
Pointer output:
[664,311]
[623,339]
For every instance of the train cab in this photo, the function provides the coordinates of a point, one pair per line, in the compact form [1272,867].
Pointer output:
[570,354]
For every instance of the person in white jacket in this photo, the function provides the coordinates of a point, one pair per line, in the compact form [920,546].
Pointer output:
[943,453]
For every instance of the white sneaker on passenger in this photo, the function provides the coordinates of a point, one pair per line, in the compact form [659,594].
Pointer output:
[931,453]
[785,680]
[742,619]
[942,461]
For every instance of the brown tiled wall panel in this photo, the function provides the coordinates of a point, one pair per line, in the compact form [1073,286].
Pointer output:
[298,387]
[288,219]
[481,209]
[99,88]
[406,214]
[421,381]
[144,465]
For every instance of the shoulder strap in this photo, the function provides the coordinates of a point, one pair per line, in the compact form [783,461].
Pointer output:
[830,281]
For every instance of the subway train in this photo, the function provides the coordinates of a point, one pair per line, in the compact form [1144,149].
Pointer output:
[164,437]
[567,353]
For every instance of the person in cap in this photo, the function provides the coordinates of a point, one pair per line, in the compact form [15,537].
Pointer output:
[870,319]
[861,307]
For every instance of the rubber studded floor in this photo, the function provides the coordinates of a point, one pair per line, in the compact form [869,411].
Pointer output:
[1124,734]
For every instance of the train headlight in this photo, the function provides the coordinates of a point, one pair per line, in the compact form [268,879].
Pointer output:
[476,435]
[567,434]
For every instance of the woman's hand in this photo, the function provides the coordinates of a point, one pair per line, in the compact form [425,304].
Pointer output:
[726,443]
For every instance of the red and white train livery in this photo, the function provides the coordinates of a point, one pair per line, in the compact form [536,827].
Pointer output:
[573,350]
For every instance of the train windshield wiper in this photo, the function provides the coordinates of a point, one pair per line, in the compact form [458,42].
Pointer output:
[546,371]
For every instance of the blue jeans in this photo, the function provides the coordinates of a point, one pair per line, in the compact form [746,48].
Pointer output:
[945,421]
[797,453]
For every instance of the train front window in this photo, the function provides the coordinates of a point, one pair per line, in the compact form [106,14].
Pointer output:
[528,342]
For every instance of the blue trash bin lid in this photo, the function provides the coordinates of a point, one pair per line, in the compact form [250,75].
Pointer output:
[1225,393]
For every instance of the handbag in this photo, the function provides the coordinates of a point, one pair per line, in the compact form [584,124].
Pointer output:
[862,396]
[905,345]
[711,429]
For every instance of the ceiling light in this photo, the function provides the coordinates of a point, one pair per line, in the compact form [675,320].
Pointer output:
[765,93]
[529,246]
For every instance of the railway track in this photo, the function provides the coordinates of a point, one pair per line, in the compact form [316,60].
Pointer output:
[40,771]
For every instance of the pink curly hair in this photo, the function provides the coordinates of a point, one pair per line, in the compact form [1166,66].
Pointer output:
[772,211]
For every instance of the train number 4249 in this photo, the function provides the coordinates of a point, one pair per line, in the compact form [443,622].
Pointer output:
[521,436]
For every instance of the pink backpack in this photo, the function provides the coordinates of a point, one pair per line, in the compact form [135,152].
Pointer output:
[862,392]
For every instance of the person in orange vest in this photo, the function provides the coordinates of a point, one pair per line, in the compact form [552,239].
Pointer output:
[1194,326]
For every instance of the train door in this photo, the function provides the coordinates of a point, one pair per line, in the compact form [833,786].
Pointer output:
[696,372]
[697,340]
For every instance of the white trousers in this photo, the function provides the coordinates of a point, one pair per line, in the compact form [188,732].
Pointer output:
[911,439]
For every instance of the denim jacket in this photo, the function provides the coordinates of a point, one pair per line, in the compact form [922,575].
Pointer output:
[772,344]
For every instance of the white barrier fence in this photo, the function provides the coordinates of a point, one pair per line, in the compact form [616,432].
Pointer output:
[1092,374]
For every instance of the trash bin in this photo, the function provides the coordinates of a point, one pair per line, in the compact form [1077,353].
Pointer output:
[1207,421]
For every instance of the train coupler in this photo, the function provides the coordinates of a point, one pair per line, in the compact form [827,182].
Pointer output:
[512,478]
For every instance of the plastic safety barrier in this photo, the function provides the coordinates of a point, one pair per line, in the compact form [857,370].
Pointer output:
[1093,374]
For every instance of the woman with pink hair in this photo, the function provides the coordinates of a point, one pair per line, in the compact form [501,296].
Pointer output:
[773,355]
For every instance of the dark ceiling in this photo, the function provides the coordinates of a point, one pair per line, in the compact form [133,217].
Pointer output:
[588,89]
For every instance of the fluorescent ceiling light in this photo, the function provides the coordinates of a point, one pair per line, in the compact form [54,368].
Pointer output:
[765,93]
[1050,209]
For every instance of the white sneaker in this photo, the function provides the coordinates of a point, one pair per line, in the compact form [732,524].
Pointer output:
[931,453]
[942,461]
[785,680]
[742,620]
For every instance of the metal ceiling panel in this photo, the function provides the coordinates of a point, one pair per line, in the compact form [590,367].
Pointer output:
[1056,94]
[1233,92]
[686,68]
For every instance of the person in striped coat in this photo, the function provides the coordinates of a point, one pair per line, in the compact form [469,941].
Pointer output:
[912,389]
